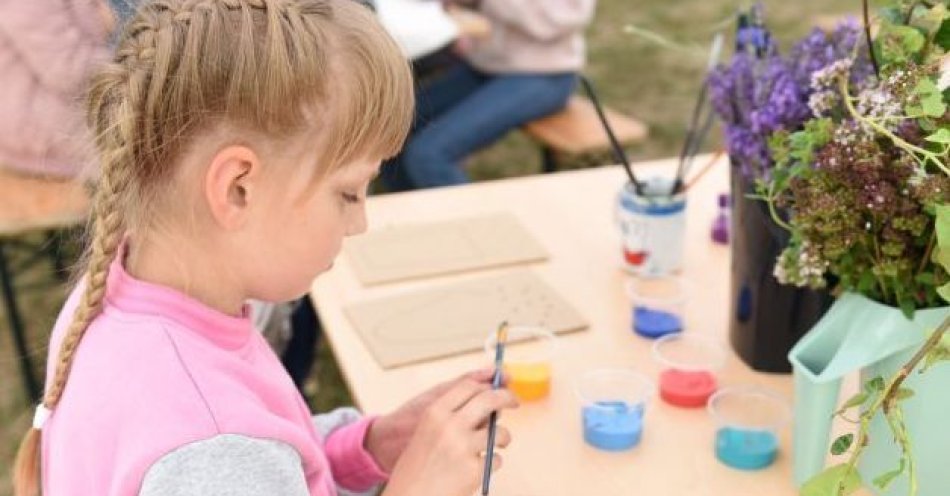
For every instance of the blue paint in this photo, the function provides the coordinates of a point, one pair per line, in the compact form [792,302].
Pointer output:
[746,449]
[651,323]
[613,425]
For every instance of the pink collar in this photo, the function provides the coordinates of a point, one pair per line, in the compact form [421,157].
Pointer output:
[131,295]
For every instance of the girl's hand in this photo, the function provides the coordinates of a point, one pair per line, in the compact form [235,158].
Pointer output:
[389,435]
[445,456]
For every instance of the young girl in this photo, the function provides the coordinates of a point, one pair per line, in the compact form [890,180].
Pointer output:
[237,139]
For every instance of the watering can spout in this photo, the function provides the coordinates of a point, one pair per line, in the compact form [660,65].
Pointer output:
[847,339]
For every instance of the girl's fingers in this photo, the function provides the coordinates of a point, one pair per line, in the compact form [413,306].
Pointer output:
[459,395]
[480,439]
[476,412]
[482,375]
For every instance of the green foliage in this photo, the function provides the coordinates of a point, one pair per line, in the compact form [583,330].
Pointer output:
[941,254]
[860,188]
[928,101]
[839,480]
[898,44]
[842,444]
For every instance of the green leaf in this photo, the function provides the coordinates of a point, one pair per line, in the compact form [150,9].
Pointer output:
[941,254]
[856,400]
[892,14]
[875,385]
[899,43]
[867,282]
[942,38]
[887,478]
[932,19]
[943,228]
[903,393]
[925,278]
[944,292]
[941,136]
[831,480]
[930,100]
[907,307]
[937,354]
[842,444]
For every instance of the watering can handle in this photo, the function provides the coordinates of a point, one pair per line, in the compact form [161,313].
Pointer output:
[815,405]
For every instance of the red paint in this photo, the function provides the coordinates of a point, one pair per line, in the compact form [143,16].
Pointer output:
[688,389]
[635,258]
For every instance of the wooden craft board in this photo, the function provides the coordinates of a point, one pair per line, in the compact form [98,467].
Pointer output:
[456,318]
[411,251]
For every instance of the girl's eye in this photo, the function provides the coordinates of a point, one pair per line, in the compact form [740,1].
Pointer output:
[351,198]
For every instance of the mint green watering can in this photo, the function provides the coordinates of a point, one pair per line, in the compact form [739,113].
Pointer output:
[859,335]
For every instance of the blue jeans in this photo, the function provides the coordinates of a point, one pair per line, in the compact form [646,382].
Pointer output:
[465,110]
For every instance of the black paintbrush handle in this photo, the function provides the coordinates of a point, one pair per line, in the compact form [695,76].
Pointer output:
[489,452]
[619,154]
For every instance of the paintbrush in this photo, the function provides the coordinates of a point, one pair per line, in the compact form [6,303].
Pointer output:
[619,154]
[501,336]
[695,135]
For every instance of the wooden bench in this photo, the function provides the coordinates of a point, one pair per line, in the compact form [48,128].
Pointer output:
[29,205]
[577,130]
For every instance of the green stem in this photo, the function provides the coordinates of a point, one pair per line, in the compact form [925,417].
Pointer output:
[859,447]
[886,401]
[877,261]
[912,149]
[927,254]
[775,216]
[867,38]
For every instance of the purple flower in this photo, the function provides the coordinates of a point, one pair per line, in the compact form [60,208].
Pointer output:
[758,93]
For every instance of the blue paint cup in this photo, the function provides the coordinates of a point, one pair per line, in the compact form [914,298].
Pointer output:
[749,419]
[658,306]
[613,403]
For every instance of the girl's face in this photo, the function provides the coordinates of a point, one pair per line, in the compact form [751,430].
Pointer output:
[301,226]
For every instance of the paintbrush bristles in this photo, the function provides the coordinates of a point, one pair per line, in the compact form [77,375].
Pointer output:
[501,336]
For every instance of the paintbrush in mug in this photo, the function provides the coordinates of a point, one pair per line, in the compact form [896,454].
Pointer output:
[695,135]
[501,336]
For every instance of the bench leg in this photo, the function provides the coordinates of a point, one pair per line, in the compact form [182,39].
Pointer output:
[17,328]
[548,159]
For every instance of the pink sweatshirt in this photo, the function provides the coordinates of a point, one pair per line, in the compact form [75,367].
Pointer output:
[158,371]
[48,48]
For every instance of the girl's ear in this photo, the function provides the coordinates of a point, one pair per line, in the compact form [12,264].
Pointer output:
[229,185]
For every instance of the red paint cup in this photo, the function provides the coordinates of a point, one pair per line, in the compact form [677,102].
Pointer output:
[690,364]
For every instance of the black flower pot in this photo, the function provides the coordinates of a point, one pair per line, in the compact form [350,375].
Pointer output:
[767,317]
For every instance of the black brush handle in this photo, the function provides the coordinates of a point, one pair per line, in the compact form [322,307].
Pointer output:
[619,154]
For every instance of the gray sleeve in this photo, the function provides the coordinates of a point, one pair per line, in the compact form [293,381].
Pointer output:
[227,464]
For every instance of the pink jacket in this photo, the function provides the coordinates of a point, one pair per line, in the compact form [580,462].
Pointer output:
[158,371]
[47,49]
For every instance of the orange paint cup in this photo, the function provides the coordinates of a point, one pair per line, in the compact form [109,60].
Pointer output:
[529,352]
[529,381]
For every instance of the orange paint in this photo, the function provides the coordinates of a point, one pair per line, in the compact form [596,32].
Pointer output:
[529,381]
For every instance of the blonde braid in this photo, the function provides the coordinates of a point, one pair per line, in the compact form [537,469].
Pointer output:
[112,116]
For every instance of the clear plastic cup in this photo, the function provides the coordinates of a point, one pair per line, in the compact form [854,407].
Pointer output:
[529,352]
[658,306]
[613,402]
[749,419]
[690,364]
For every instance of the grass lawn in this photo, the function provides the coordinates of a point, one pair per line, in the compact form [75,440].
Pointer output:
[642,78]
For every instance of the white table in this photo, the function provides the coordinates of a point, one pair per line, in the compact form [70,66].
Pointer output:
[571,214]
